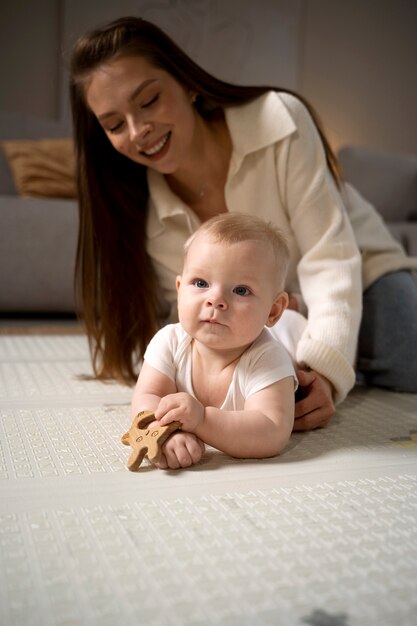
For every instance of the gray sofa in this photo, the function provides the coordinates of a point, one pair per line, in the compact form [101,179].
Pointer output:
[38,235]
[389,182]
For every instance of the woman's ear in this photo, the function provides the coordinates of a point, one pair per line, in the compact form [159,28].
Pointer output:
[278,307]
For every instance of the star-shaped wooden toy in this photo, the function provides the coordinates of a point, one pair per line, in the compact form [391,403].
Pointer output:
[146,441]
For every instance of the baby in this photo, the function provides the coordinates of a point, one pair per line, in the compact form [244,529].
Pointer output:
[219,371]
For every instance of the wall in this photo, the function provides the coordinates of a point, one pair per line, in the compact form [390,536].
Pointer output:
[355,61]
[29,57]
[358,66]
[239,40]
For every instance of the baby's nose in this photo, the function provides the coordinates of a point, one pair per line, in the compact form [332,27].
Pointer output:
[217,302]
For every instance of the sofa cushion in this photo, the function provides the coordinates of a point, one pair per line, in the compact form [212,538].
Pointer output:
[387,180]
[42,168]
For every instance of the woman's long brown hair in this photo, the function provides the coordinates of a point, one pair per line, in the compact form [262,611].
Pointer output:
[115,283]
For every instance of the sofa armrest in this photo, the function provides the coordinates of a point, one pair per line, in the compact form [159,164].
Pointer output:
[387,180]
[406,234]
[7,185]
[38,239]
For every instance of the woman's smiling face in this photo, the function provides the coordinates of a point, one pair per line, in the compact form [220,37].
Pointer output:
[147,115]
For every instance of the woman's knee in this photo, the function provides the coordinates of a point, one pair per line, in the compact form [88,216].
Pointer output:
[387,349]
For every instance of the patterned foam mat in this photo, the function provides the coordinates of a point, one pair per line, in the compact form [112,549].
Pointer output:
[325,534]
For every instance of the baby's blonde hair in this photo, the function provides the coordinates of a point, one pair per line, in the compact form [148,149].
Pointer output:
[230,228]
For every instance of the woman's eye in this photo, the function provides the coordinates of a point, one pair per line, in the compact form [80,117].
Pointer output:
[200,283]
[150,102]
[241,291]
[115,128]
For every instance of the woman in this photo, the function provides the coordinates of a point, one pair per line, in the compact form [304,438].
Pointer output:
[162,146]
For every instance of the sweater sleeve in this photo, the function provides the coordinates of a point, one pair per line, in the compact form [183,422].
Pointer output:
[329,270]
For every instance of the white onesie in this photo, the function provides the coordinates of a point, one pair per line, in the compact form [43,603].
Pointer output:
[265,362]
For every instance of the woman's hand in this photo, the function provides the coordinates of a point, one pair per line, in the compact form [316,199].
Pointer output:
[181,450]
[316,407]
[180,407]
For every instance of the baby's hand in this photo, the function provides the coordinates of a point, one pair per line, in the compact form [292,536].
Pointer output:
[180,407]
[180,450]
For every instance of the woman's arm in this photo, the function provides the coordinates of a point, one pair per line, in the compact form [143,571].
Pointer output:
[329,270]
[261,429]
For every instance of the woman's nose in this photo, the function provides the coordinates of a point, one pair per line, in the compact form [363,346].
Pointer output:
[138,130]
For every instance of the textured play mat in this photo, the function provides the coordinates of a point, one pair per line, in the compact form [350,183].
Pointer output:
[325,534]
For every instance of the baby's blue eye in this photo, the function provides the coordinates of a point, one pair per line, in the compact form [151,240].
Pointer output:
[200,283]
[241,291]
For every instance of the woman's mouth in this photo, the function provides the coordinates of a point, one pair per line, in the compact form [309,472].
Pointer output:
[158,149]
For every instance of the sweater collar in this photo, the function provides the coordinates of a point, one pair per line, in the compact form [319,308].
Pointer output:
[252,126]
[165,202]
[258,124]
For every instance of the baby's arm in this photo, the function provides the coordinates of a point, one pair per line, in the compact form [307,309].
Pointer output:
[150,387]
[261,429]
[181,449]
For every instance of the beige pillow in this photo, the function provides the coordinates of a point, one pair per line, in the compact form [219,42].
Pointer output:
[43,167]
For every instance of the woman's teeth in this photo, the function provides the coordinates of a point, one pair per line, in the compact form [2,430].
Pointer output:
[158,146]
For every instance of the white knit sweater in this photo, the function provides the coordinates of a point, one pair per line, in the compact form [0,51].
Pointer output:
[278,171]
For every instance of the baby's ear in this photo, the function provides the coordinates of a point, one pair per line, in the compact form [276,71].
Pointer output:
[178,281]
[277,309]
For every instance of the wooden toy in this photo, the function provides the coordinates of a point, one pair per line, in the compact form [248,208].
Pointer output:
[146,441]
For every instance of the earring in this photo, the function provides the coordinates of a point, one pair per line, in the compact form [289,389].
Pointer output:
[194,98]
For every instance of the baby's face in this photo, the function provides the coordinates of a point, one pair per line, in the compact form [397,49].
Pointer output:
[228,292]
